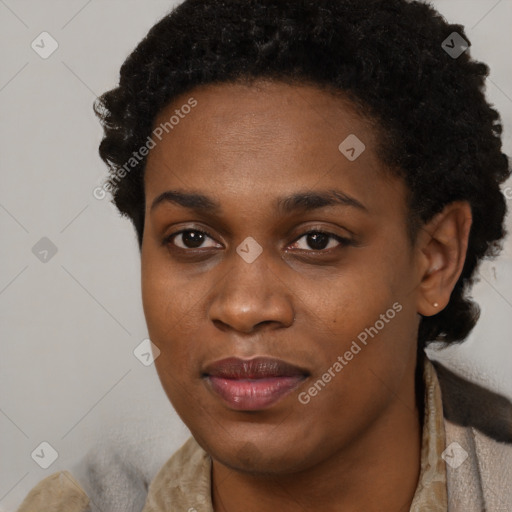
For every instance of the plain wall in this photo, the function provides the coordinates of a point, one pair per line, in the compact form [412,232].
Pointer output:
[70,325]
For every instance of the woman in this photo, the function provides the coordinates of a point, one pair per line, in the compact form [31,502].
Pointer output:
[313,185]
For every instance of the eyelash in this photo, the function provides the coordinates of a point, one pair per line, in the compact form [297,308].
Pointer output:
[344,242]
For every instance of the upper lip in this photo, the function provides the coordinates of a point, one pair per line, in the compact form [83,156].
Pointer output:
[256,368]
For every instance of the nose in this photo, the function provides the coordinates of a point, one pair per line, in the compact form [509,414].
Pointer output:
[252,296]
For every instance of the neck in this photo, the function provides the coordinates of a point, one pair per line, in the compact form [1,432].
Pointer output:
[377,471]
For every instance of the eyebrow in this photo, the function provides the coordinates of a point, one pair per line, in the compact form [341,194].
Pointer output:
[300,201]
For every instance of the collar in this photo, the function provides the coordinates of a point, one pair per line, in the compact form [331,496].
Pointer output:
[431,491]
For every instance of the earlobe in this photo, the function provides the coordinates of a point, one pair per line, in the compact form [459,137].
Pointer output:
[443,247]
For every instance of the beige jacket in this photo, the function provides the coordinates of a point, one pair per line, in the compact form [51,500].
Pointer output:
[466,461]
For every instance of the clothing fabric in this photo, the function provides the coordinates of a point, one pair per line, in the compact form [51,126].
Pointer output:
[463,468]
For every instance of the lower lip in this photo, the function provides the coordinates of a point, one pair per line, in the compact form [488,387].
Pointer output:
[253,394]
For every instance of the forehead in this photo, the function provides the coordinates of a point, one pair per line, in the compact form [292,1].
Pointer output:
[257,139]
[263,116]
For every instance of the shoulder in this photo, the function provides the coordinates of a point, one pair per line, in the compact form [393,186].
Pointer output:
[478,454]
[55,491]
[117,471]
[114,474]
[469,404]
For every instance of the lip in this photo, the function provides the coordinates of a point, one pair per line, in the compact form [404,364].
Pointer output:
[252,384]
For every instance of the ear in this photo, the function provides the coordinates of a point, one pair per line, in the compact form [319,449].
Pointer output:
[442,245]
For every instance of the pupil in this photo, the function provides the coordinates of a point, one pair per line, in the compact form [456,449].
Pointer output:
[318,241]
[192,239]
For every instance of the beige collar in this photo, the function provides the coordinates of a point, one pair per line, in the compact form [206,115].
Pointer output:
[431,492]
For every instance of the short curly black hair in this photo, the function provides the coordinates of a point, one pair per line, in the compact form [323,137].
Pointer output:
[442,137]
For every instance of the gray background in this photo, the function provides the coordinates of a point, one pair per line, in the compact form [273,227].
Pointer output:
[70,324]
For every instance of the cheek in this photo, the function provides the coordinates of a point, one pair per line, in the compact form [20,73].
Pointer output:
[352,300]
[366,318]
[166,297]
[158,300]
[167,310]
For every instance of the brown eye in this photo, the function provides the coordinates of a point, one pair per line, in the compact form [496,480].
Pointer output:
[320,241]
[189,239]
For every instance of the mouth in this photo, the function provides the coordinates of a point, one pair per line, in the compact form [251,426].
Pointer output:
[252,384]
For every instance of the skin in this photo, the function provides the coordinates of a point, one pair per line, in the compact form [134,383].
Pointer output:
[356,444]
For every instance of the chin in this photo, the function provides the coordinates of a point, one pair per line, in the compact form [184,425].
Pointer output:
[257,455]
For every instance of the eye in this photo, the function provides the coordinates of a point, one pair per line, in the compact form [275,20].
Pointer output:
[189,239]
[317,240]
[321,241]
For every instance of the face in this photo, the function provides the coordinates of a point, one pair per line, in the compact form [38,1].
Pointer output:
[264,239]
